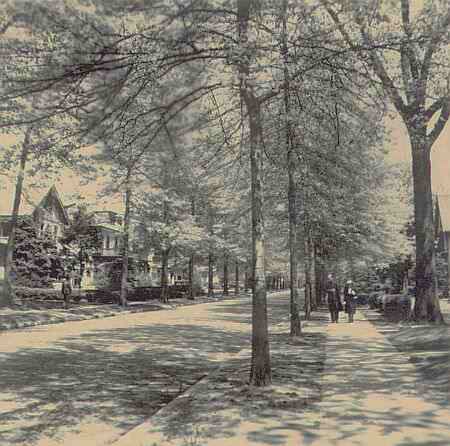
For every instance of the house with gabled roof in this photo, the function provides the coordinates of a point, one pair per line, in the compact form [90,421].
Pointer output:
[49,215]
[52,216]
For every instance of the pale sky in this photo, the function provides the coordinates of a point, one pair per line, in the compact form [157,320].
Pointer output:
[399,150]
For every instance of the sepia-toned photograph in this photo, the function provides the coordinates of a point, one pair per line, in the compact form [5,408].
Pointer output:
[224,223]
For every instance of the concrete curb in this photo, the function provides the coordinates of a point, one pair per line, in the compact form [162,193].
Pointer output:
[130,437]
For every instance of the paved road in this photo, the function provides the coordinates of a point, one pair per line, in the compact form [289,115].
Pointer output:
[85,383]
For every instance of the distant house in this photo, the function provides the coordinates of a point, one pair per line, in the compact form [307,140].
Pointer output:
[49,215]
[108,258]
[442,232]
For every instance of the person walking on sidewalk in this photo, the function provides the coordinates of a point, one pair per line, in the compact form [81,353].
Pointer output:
[66,291]
[349,299]
[334,298]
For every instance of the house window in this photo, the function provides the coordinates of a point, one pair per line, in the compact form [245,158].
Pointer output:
[116,242]
[56,231]
[108,241]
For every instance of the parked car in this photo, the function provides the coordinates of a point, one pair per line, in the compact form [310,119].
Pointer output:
[362,299]
[397,306]
[374,299]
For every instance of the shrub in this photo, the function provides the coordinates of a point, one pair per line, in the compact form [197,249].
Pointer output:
[143,279]
[36,293]
[35,257]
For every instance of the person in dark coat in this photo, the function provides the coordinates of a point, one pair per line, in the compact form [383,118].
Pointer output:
[334,299]
[66,291]
[349,299]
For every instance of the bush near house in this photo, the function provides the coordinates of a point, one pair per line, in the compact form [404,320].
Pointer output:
[35,258]
[36,293]
[28,293]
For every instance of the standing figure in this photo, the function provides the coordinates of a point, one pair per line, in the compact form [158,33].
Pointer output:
[66,291]
[334,299]
[349,299]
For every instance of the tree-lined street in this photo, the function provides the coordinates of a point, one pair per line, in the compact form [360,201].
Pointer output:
[231,148]
[93,379]
[96,382]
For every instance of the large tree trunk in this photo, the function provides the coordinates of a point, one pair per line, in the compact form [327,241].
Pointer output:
[260,373]
[7,292]
[416,70]
[260,368]
[126,242]
[426,306]
[225,275]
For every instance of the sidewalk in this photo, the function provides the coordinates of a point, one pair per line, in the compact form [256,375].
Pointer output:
[343,384]
[23,317]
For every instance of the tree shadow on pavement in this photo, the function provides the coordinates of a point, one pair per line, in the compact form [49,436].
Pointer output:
[428,348]
[277,311]
[369,394]
[225,405]
[119,377]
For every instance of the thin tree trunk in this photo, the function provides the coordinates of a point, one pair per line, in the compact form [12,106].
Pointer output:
[448,266]
[81,263]
[7,293]
[210,275]
[352,268]
[426,307]
[192,259]
[307,265]
[225,275]
[164,278]
[321,274]
[260,374]
[236,278]
[191,276]
[295,327]
[126,241]
[312,252]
